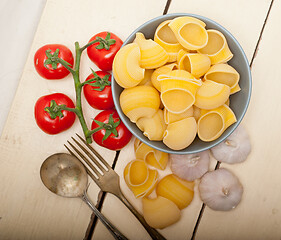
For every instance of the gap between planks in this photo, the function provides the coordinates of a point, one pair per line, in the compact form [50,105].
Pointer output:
[260,36]
[251,63]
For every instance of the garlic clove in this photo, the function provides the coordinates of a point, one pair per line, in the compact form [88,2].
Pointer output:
[220,190]
[235,148]
[190,166]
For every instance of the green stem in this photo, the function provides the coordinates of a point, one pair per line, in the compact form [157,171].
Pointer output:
[78,90]
[88,44]
[78,87]
[66,66]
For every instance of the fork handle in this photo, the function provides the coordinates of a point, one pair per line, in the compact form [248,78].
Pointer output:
[154,234]
[112,229]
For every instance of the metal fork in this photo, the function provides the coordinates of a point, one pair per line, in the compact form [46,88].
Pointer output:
[107,179]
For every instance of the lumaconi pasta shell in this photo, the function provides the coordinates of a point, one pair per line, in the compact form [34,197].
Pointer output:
[177,95]
[139,101]
[214,122]
[160,212]
[190,32]
[180,75]
[165,37]
[152,54]
[180,134]
[172,117]
[139,178]
[126,66]
[151,156]
[195,63]
[178,89]
[196,112]
[211,95]
[223,73]
[217,48]
[147,78]
[153,127]
[159,71]
[179,191]
[235,89]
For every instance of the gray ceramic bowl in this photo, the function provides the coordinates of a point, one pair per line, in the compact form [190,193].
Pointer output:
[238,102]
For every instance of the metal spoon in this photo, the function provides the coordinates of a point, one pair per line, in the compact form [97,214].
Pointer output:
[65,175]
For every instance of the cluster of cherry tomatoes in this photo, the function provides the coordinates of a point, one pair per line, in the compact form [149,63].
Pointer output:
[54,112]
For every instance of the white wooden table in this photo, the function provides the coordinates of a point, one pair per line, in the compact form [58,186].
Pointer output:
[29,211]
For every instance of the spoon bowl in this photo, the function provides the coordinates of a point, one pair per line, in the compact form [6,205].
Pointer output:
[64,175]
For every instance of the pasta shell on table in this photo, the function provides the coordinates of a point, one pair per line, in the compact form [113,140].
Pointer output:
[165,37]
[195,63]
[211,95]
[153,127]
[214,122]
[139,101]
[223,73]
[173,117]
[152,54]
[151,156]
[160,212]
[140,179]
[217,48]
[179,191]
[126,66]
[190,32]
[180,134]
[159,71]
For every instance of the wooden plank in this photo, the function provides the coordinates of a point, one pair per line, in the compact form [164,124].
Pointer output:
[259,214]
[27,209]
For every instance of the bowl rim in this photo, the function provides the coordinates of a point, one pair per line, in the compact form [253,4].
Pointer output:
[143,138]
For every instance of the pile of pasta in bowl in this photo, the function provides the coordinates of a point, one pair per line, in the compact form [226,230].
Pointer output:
[177,85]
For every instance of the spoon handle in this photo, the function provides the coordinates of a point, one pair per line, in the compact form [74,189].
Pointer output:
[112,229]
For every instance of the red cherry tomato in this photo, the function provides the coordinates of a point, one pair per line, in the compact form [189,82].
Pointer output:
[50,117]
[110,132]
[104,50]
[98,92]
[44,65]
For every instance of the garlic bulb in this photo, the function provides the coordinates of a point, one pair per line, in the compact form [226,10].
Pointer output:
[220,190]
[190,166]
[234,149]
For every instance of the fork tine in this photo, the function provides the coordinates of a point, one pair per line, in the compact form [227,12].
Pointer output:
[94,152]
[90,155]
[85,159]
[89,172]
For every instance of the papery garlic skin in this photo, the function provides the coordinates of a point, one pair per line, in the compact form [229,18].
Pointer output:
[235,148]
[190,166]
[220,190]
